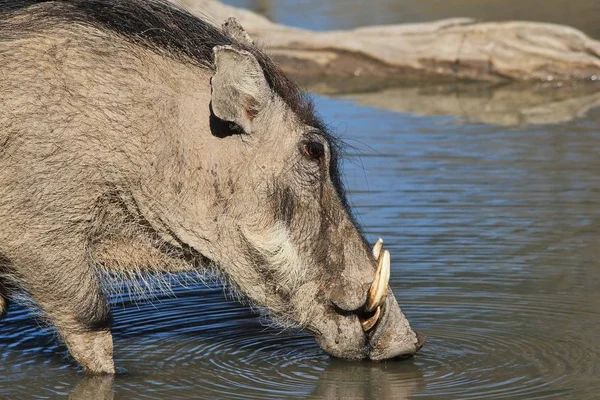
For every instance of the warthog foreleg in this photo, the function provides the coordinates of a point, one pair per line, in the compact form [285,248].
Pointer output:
[93,350]
[68,290]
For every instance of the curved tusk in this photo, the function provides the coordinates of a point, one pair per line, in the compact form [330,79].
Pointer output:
[368,324]
[379,287]
[377,248]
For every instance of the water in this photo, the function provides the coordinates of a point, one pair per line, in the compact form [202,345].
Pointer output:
[494,235]
[493,223]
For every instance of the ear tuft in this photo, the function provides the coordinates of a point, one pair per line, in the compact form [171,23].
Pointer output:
[234,29]
[239,88]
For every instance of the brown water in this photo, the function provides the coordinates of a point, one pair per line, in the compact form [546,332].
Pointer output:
[493,221]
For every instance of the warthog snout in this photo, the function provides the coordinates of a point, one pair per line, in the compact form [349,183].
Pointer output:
[393,336]
[376,329]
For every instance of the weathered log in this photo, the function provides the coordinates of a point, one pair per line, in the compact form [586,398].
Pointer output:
[447,50]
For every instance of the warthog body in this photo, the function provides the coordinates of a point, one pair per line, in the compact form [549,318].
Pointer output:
[136,138]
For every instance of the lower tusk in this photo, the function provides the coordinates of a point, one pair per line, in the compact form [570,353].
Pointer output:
[379,287]
[377,248]
[368,324]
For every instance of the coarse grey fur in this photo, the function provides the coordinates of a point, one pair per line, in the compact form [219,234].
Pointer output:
[136,138]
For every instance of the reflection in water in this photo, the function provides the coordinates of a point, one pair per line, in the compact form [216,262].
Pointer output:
[368,381]
[338,380]
[93,388]
[494,239]
[501,105]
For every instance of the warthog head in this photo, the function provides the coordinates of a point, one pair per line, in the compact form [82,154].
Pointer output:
[280,227]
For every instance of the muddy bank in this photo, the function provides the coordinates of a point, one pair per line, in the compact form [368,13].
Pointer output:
[449,50]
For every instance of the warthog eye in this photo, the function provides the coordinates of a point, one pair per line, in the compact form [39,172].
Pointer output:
[313,150]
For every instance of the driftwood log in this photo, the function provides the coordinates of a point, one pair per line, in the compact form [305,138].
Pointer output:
[448,50]
[506,73]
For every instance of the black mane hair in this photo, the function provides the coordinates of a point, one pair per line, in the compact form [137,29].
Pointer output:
[169,29]
[166,27]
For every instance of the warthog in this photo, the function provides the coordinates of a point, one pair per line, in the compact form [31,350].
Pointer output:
[136,138]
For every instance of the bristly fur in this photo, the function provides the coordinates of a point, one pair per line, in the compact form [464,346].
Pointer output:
[172,31]
[164,27]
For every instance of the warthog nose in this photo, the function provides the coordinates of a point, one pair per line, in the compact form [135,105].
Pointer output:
[421,339]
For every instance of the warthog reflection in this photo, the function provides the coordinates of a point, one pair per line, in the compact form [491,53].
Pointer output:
[338,380]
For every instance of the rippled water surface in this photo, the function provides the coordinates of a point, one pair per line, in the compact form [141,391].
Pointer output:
[494,235]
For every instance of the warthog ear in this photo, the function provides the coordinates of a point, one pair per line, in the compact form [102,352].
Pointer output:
[239,88]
